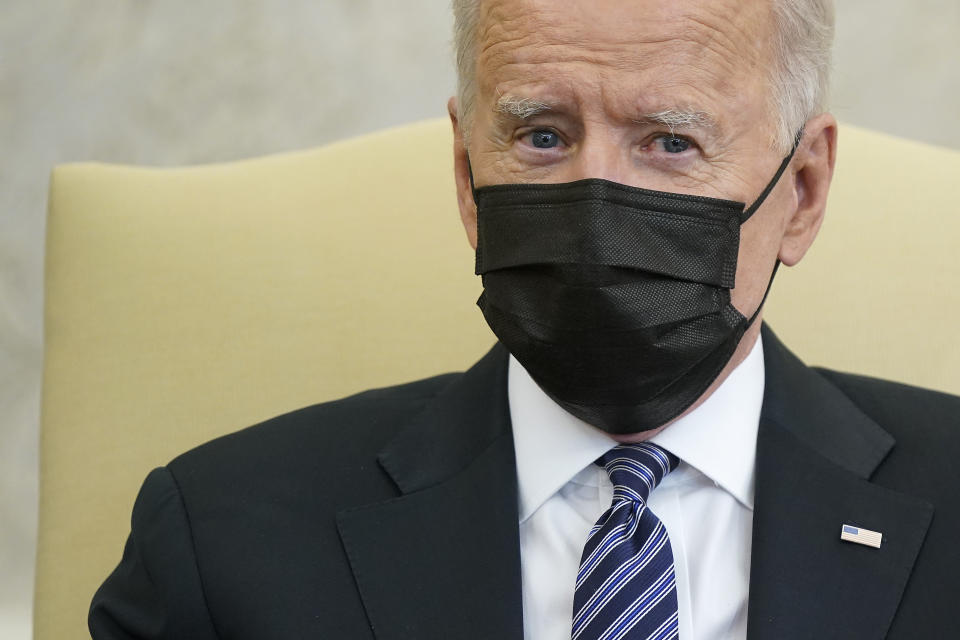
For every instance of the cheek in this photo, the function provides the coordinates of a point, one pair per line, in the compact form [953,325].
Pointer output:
[760,241]
[759,247]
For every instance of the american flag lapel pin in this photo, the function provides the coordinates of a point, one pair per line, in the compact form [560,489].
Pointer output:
[859,535]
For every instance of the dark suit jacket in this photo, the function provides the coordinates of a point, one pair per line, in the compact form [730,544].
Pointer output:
[393,514]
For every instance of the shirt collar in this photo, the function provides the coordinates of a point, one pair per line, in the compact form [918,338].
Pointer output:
[718,438]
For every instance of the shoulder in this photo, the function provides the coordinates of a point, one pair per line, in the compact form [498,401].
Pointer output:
[904,410]
[229,526]
[925,426]
[319,444]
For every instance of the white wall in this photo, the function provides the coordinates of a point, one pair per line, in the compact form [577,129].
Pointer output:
[179,82]
[897,68]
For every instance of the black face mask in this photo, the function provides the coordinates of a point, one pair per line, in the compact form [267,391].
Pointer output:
[615,299]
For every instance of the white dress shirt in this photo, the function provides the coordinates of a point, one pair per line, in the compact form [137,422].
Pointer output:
[706,504]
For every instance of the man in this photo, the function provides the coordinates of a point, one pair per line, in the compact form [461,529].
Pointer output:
[631,173]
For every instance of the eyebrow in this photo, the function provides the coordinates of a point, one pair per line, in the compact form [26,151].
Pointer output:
[673,118]
[520,107]
[680,118]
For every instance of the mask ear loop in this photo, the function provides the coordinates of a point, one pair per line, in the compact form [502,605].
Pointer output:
[776,178]
[776,265]
[753,209]
[477,257]
[473,187]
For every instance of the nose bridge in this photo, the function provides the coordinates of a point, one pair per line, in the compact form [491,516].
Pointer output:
[602,155]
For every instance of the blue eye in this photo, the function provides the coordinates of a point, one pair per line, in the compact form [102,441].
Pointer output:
[673,144]
[544,139]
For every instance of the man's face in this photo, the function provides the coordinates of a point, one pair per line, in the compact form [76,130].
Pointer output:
[609,85]
[672,96]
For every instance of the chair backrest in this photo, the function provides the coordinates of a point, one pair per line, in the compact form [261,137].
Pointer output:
[186,303]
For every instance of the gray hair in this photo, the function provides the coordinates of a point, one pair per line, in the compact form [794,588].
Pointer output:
[799,76]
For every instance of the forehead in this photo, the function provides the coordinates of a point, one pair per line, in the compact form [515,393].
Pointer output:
[695,50]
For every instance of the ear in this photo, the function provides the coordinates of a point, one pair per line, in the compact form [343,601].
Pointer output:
[813,172]
[461,172]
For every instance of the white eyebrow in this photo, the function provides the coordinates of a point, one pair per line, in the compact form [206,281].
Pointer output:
[680,119]
[520,107]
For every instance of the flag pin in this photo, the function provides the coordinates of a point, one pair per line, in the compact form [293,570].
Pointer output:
[859,535]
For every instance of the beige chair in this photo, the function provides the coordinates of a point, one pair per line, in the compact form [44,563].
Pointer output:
[185,303]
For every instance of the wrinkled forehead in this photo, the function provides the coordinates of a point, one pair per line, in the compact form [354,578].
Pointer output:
[717,48]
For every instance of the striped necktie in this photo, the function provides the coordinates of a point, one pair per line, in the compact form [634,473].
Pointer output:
[626,587]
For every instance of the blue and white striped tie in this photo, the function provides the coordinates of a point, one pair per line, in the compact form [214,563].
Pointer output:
[626,586]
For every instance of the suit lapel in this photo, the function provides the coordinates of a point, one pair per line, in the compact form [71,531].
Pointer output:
[443,559]
[815,454]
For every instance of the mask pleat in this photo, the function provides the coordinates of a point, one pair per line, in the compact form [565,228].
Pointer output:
[557,298]
[596,232]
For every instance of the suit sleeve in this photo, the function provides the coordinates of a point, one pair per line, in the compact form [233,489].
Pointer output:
[155,592]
